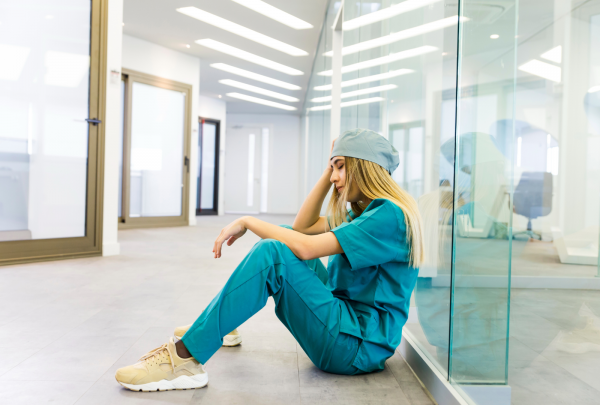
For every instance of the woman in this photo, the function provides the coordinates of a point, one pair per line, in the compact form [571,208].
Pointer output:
[348,318]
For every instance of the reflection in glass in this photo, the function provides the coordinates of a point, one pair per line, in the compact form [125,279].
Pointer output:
[44,90]
[157,135]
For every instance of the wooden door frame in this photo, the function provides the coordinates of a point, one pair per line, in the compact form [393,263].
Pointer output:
[215,210]
[125,221]
[25,251]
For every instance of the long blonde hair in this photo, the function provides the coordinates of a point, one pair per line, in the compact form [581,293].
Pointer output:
[375,182]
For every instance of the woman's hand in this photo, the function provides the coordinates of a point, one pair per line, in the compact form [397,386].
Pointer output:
[230,233]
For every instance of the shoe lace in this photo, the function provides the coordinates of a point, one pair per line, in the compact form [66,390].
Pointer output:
[157,353]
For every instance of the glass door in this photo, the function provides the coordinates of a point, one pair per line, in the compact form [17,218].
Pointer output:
[50,128]
[155,152]
[207,201]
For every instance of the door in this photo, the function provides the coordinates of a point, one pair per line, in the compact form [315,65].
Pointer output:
[243,170]
[207,173]
[155,152]
[50,129]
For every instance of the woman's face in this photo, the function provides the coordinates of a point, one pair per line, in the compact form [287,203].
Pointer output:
[338,178]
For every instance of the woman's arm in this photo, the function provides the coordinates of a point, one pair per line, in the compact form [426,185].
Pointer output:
[308,221]
[305,247]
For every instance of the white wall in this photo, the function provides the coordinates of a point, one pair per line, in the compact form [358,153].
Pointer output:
[215,109]
[110,244]
[284,158]
[147,57]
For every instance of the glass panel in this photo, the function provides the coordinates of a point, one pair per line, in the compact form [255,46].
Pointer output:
[555,315]
[44,90]
[206,174]
[407,88]
[157,135]
[483,172]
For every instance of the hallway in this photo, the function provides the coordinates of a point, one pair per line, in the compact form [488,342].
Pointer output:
[66,326]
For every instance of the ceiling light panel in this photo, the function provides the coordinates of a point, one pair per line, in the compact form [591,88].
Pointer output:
[594,89]
[422,50]
[398,36]
[368,79]
[258,90]
[261,101]
[355,93]
[542,69]
[241,30]
[250,57]
[254,76]
[348,103]
[553,55]
[386,13]
[275,13]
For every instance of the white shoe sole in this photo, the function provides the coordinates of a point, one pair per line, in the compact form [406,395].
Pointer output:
[180,383]
[228,341]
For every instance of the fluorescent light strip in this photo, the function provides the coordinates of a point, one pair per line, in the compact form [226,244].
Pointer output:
[398,36]
[348,103]
[261,101]
[254,76]
[542,69]
[275,13]
[553,55]
[368,79]
[241,30]
[383,60]
[360,92]
[386,13]
[258,90]
[250,57]
[594,89]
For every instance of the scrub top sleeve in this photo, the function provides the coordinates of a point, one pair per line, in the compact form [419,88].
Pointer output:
[373,238]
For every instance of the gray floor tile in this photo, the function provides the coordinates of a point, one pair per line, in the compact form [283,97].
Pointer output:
[41,392]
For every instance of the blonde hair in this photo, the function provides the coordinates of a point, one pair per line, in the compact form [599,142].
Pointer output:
[375,182]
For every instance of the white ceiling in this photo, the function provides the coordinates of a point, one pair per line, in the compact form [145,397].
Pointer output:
[157,21]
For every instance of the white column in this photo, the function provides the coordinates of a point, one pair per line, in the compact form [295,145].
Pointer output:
[336,78]
[112,123]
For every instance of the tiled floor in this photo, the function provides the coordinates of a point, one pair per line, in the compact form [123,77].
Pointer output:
[66,326]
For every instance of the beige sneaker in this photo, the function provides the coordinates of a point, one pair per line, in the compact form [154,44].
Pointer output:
[232,339]
[163,370]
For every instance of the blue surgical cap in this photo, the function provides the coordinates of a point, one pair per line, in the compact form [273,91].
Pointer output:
[367,145]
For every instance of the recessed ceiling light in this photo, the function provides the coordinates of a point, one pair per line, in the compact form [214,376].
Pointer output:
[49,17]
[241,30]
[254,76]
[386,13]
[14,58]
[554,54]
[258,90]
[261,101]
[250,57]
[383,60]
[275,13]
[368,79]
[542,69]
[494,36]
[220,96]
[355,93]
[123,25]
[348,103]
[398,36]
[594,89]
[187,45]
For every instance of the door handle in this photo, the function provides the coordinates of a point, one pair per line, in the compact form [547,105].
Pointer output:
[93,121]
[186,162]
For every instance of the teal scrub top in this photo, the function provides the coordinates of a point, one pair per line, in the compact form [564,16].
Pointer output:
[374,280]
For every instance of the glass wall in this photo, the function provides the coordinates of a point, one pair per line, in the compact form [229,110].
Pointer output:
[494,108]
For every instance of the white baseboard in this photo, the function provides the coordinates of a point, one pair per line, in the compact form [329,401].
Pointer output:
[111,249]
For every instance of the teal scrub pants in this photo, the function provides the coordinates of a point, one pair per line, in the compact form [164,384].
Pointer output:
[302,302]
